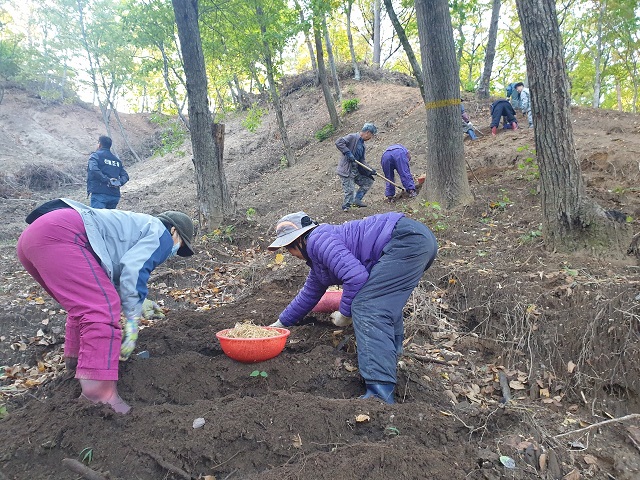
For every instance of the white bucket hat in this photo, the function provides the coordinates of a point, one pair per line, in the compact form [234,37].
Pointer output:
[290,227]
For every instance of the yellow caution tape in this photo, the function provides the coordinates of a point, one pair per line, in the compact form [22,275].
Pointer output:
[442,103]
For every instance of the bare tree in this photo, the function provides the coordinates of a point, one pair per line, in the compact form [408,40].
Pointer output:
[352,50]
[273,88]
[447,181]
[402,35]
[570,219]
[322,71]
[376,32]
[483,89]
[212,190]
[332,61]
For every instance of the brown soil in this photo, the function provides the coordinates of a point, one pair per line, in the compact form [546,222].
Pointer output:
[563,330]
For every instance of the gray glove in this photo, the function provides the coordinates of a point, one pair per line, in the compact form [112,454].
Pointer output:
[277,324]
[114,182]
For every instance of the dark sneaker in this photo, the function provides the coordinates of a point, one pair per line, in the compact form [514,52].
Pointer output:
[358,204]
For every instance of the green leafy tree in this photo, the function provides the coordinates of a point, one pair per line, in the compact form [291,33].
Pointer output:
[152,25]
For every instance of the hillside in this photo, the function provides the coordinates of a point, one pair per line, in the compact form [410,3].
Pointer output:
[563,330]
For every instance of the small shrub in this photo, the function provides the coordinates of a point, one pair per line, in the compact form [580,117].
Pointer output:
[86,455]
[44,177]
[253,120]
[172,136]
[532,235]
[349,106]
[325,132]
[222,234]
[502,202]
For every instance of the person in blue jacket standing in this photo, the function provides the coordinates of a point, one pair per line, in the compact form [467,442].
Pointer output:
[95,262]
[105,176]
[378,260]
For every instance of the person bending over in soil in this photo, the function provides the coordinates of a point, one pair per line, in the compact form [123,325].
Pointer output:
[92,261]
[378,260]
[502,108]
[352,174]
[467,126]
[396,158]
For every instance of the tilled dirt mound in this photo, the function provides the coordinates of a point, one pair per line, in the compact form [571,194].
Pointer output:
[303,420]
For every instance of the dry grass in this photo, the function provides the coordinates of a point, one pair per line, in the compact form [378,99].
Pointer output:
[249,330]
[45,177]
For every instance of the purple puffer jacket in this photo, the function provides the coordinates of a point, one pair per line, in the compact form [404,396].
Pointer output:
[340,255]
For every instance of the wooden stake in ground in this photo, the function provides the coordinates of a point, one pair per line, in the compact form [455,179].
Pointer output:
[86,472]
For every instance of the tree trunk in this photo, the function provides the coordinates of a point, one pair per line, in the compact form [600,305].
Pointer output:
[352,50]
[597,79]
[376,33]
[483,90]
[447,182]
[307,39]
[273,88]
[570,219]
[402,35]
[332,61]
[212,191]
[322,75]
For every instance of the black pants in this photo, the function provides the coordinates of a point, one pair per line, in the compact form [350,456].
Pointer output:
[503,109]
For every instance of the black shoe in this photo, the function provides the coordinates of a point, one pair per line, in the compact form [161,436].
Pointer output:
[358,204]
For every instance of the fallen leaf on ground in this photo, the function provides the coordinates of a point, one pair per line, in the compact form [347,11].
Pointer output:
[349,368]
[590,460]
[516,385]
[362,418]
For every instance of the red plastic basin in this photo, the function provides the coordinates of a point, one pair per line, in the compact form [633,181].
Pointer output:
[253,350]
[330,302]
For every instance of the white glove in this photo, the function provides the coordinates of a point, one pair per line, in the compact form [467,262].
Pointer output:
[277,324]
[339,320]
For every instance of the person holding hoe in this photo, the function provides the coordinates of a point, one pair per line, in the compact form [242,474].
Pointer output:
[92,261]
[353,169]
[378,260]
